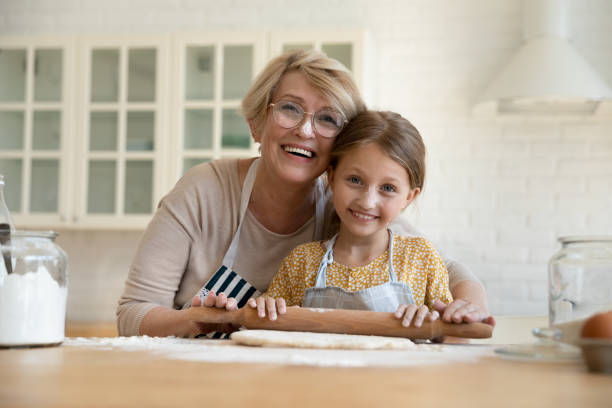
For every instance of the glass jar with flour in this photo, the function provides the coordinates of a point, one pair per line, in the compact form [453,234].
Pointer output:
[33,290]
[33,285]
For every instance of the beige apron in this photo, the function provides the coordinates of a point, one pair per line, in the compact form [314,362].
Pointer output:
[381,298]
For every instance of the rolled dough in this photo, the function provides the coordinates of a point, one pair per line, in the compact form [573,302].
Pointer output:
[274,338]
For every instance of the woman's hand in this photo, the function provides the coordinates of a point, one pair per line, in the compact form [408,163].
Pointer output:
[271,305]
[462,311]
[220,301]
[415,315]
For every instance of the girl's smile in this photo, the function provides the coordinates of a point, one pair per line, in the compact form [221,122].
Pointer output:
[362,216]
[370,191]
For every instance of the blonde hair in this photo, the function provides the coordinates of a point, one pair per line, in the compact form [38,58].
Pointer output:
[327,75]
[395,135]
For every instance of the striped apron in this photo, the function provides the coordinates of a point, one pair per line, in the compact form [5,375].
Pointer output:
[228,281]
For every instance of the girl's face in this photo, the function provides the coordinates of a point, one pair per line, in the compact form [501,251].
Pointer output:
[370,191]
[297,155]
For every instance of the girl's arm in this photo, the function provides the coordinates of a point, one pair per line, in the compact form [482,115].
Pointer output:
[286,288]
[266,304]
[273,301]
[437,277]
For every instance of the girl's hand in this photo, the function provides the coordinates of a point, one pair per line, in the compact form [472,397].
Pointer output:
[415,314]
[271,305]
[462,310]
[220,301]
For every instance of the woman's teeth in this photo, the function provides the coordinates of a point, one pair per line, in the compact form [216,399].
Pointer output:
[298,151]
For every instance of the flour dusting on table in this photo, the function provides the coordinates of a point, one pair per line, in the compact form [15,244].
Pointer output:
[225,351]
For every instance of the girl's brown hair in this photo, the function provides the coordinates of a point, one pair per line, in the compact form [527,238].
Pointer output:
[395,135]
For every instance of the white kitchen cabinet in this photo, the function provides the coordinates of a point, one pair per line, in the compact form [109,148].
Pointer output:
[94,130]
[214,71]
[122,130]
[36,101]
[347,46]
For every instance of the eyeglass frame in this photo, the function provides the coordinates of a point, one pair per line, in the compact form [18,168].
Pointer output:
[312,115]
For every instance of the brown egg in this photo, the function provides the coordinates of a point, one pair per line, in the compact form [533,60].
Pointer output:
[598,326]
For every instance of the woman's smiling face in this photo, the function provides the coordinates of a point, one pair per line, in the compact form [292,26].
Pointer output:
[298,155]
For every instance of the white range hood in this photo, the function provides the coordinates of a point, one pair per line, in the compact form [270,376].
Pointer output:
[546,75]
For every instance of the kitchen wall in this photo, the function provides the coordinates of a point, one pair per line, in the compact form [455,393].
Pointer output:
[500,190]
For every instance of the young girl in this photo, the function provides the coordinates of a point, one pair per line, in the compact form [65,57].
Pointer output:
[377,169]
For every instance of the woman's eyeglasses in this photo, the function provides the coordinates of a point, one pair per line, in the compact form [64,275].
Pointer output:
[326,122]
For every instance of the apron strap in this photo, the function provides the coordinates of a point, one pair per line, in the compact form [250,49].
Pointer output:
[247,187]
[245,195]
[392,276]
[328,259]
[320,200]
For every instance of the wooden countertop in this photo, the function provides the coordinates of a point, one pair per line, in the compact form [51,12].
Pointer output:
[91,329]
[66,376]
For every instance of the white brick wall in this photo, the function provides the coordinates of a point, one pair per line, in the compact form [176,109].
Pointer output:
[499,191]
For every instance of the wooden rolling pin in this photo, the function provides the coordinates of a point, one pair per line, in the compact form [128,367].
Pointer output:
[340,321]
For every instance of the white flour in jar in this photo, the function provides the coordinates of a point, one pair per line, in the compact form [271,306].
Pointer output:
[32,308]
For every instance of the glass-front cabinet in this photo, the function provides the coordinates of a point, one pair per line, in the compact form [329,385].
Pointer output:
[346,46]
[214,74]
[123,112]
[35,138]
[94,130]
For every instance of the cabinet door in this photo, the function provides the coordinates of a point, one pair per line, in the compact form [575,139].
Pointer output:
[215,71]
[123,112]
[346,46]
[35,100]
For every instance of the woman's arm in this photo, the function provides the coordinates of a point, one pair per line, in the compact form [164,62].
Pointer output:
[163,259]
[469,304]
[162,322]
[469,296]
[147,302]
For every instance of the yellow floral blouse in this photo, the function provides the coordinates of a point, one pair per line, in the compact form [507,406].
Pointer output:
[415,262]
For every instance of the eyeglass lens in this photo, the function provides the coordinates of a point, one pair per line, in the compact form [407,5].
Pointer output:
[327,122]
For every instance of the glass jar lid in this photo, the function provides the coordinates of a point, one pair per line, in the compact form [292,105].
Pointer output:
[585,238]
[35,234]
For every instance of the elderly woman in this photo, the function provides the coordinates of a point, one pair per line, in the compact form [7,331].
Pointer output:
[228,224]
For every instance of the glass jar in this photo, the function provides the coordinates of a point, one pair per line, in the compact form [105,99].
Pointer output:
[579,285]
[33,290]
[580,279]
